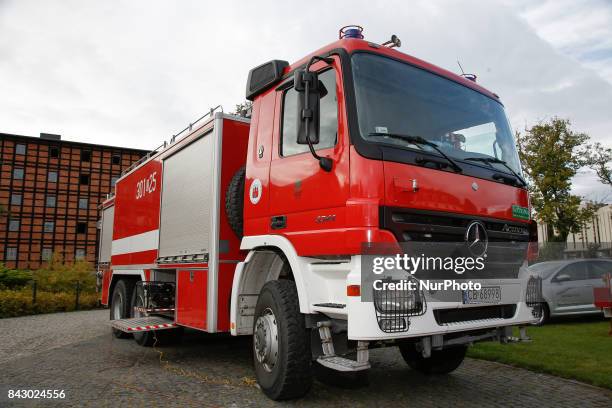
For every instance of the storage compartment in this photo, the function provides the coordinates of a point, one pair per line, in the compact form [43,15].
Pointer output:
[189,198]
[106,234]
[191,298]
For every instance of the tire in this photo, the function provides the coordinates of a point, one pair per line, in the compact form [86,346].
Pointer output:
[441,361]
[545,317]
[283,368]
[154,337]
[120,305]
[234,202]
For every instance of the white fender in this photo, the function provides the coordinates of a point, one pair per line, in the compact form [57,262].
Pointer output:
[297,264]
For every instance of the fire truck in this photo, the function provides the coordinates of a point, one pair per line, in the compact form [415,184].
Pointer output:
[256,225]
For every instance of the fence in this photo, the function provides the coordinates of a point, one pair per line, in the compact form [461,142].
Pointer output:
[77,293]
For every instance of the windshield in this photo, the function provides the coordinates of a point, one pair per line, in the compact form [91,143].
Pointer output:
[397,98]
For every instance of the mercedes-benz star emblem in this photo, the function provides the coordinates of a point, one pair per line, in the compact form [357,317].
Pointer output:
[476,239]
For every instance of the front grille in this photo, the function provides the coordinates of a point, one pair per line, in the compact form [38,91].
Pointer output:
[507,240]
[446,316]
[420,225]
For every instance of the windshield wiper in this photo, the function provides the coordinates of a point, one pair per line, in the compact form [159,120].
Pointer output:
[418,140]
[490,160]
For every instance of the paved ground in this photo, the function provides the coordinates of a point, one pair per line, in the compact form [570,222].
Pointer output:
[24,336]
[75,352]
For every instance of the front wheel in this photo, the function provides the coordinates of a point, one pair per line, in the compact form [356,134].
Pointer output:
[544,315]
[281,343]
[441,361]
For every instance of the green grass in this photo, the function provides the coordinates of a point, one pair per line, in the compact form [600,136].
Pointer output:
[576,350]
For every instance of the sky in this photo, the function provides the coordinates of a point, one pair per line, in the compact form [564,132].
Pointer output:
[132,73]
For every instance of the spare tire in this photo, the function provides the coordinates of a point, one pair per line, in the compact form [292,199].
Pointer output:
[234,202]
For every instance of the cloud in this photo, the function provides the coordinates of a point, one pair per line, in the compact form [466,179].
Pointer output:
[581,29]
[132,73]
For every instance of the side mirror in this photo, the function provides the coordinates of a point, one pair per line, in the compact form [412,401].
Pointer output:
[309,98]
[563,278]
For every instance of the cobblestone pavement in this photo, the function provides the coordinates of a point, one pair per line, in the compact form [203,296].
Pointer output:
[211,371]
[23,336]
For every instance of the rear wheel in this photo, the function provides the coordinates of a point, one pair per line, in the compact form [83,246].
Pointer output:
[281,343]
[441,361]
[120,304]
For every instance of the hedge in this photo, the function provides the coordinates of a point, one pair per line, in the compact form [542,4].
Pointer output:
[15,303]
[55,288]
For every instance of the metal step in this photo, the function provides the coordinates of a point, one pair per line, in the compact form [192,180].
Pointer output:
[331,305]
[142,324]
[342,364]
[153,310]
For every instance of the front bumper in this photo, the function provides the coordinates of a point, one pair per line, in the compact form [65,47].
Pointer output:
[443,317]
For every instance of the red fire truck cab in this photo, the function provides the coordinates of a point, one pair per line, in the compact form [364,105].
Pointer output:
[256,225]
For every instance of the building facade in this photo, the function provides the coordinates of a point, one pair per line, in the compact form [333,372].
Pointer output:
[50,191]
[595,235]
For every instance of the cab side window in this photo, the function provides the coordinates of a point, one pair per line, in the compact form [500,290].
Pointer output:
[328,134]
[597,269]
[576,271]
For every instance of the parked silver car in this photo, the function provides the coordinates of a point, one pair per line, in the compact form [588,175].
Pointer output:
[567,286]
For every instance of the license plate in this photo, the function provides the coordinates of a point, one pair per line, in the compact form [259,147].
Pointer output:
[486,294]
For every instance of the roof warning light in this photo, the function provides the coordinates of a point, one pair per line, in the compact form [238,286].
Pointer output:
[351,31]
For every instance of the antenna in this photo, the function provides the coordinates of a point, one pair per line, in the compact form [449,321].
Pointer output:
[460,67]
[471,77]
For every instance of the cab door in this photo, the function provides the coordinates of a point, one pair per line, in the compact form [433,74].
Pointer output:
[572,289]
[303,197]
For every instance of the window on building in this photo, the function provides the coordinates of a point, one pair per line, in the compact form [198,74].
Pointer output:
[79,253]
[85,155]
[116,159]
[15,199]
[84,179]
[81,227]
[20,149]
[328,122]
[114,181]
[53,152]
[52,177]
[46,254]
[13,225]
[11,254]
[48,226]
[83,203]
[50,201]
[18,174]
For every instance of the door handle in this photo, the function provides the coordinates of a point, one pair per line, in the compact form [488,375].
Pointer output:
[278,222]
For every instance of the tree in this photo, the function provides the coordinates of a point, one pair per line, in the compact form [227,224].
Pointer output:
[552,154]
[244,109]
[597,158]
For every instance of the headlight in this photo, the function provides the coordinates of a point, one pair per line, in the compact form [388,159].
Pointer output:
[396,303]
